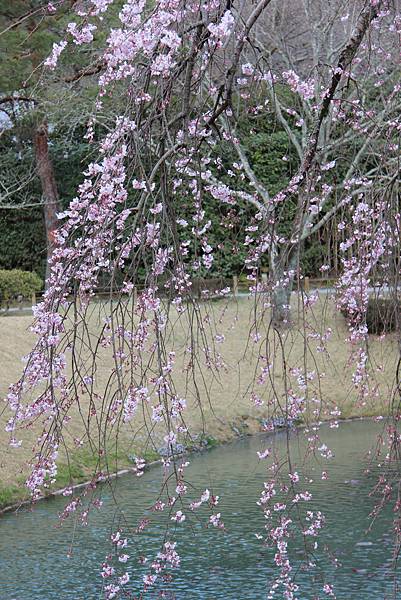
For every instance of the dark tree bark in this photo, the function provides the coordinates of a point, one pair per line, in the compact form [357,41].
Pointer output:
[50,195]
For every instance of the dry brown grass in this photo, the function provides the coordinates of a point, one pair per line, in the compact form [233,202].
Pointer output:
[220,406]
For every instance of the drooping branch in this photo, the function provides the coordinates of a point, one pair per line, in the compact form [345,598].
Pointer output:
[279,113]
[259,187]
[347,55]
[227,87]
[14,99]
[85,72]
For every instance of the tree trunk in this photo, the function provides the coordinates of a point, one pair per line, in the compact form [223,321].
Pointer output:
[283,273]
[49,190]
[281,298]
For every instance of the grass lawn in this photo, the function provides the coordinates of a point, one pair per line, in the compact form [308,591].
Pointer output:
[218,408]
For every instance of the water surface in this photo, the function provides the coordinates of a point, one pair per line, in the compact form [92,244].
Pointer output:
[36,562]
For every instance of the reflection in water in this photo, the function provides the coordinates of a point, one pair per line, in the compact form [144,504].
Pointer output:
[231,565]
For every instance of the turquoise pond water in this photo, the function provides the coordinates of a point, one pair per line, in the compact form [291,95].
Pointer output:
[41,561]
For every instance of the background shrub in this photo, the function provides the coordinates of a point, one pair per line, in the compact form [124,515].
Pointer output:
[16,283]
[382,314]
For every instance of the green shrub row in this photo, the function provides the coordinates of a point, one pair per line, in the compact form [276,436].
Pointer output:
[17,284]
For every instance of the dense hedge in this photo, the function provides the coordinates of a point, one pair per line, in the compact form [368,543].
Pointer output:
[23,240]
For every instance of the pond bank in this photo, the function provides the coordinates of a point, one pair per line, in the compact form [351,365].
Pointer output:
[21,498]
[15,496]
